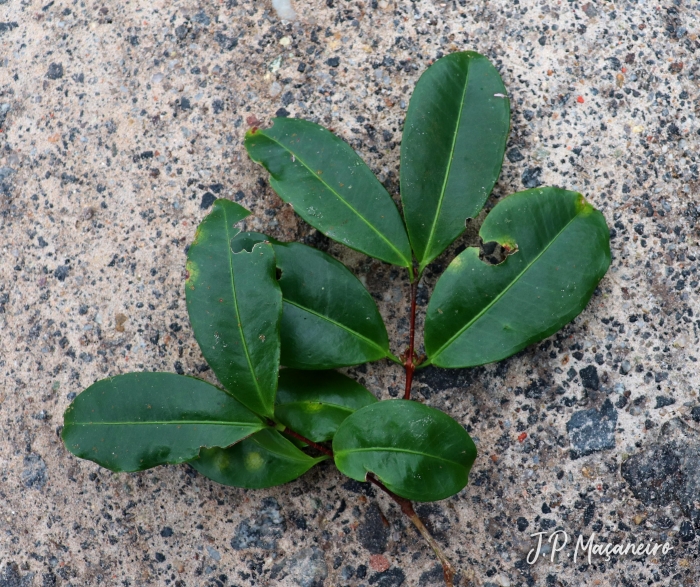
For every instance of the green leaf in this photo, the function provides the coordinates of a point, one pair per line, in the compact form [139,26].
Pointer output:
[330,187]
[235,304]
[481,313]
[329,319]
[452,149]
[265,459]
[140,420]
[418,452]
[315,404]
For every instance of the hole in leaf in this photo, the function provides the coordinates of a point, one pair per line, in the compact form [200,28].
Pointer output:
[494,253]
[278,273]
[245,241]
[491,252]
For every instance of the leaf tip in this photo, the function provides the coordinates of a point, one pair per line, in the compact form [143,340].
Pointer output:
[250,134]
[583,206]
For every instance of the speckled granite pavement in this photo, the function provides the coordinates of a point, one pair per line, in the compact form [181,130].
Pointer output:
[122,121]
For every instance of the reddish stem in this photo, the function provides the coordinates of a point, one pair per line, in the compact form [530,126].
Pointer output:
[408,364]
[318,447]
[406,506]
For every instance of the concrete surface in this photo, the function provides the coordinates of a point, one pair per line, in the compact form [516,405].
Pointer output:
[120,123]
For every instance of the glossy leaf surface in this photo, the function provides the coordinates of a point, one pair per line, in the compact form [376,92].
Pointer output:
[452,149]
[136,421]
[329,319]
[418,452]
[265,459]
[315,404]
[481,313]
[235,305]
[330,187]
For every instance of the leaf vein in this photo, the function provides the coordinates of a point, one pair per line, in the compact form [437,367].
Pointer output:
[169,422]
[399,450]
[339,325]
[447,173]
[238,314]
[352,208]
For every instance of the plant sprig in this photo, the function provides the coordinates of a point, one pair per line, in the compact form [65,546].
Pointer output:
[257,305]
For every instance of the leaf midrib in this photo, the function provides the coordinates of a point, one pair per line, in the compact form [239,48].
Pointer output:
[287,457]
[259,391]
[170,422]
[428,244]
[367,222]
[500,295]
[339,325]
[281,454]
[399,450]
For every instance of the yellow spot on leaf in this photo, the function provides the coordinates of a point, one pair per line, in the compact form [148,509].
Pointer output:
[313,407]
[582,206]
[254,461]
[192,273]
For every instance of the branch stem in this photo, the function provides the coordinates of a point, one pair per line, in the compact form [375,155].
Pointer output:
[403,503]
[409,364]
[407,508]
[311,443]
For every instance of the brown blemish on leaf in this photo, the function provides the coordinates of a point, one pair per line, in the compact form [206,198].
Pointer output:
[196,235]
[191,273]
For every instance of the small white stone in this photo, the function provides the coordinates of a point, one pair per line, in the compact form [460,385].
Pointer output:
[284,9]
[275,89]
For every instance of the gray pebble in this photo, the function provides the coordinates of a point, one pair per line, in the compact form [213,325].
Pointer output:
[263,530]
[55,71]
[592,430]
[34,473]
